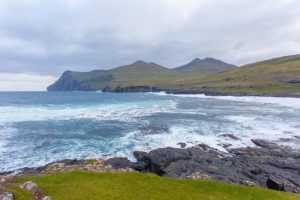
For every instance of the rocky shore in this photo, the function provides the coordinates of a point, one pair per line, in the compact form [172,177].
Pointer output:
[267,165]
[136,89]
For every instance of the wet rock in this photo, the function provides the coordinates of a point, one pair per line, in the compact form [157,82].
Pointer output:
[281,184]
[203,147]
[34,189]
[256,171]
[152,130]
[264,143]
[118,163]
[225,145]
[271,165]
[6,196]
[275,183]
[213,169]
[72,161]
[67,162]
[160,158]
[182,145]
[140,166]
[140,155]
[231,136]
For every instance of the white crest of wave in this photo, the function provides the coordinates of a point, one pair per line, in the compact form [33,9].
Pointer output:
[281,101]
[122,111]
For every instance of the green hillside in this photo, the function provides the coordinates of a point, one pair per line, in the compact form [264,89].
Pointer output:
[136,74]
[279,76]
[275,76]
[205,66]
[79,185]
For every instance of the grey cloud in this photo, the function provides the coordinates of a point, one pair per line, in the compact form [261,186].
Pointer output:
[48,37]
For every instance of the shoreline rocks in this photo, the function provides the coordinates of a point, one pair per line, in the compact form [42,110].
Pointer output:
[35,190]
[268,165]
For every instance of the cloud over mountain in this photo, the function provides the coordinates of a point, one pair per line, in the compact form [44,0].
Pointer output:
[48,37]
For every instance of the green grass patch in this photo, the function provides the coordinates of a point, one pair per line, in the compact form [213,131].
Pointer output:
[80,185]
[19,193]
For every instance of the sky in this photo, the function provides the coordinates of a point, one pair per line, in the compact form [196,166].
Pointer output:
[39,39]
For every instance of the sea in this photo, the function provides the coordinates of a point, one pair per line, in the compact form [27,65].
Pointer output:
[37,128]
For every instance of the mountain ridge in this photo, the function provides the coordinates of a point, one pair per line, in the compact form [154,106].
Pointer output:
[274,77]
[139,73]
[206,66]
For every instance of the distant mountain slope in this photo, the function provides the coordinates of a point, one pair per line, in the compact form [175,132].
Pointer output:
[137,74]
[274,76]
[279,76]
[205,66]
[74,81]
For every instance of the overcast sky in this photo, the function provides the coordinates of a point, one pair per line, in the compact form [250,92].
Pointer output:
[39,39]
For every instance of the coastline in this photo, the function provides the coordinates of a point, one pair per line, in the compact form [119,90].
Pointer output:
[267,165]
[144,89]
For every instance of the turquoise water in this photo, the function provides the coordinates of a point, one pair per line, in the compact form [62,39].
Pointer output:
[41,127]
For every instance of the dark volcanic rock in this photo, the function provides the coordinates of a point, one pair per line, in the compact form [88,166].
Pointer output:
[140,166]
[35,170]
[275,183]
[140,155]
[118,163]
[182,145]
[271,165]
[264,144]
[159,159]
[133,89]
[229,136]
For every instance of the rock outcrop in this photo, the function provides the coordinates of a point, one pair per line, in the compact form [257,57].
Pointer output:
[268,165]
[34,190]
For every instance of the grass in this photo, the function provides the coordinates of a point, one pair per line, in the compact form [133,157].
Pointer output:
[266,77]
[80,185]
[270,76]
[19,194]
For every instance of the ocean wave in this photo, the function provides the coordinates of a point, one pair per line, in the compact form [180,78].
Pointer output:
[121,112]
[280,101]
[36,135]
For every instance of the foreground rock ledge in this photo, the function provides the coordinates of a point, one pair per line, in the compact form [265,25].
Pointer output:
[268,165]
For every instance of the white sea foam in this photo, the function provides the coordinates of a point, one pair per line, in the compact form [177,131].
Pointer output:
[121,112]
[192,125]
[281,101]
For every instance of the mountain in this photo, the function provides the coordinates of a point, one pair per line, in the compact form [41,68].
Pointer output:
[278,76]
[205,66]
[146,76]
[78,81]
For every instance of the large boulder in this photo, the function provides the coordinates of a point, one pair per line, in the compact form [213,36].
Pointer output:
[280,184]
[118,163]
[34,189]
[275,183]
[159,159]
